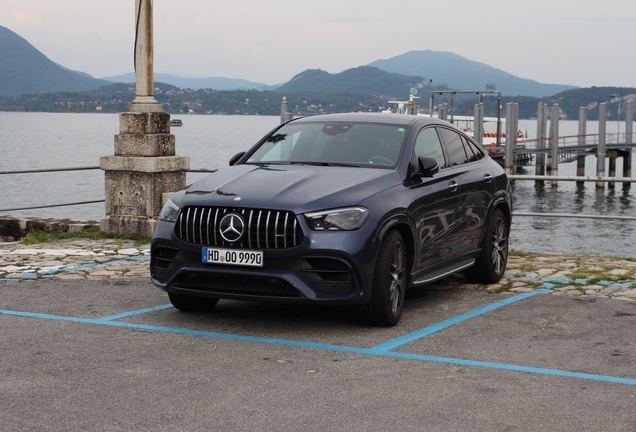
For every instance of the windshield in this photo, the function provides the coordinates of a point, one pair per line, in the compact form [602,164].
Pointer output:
[333,143]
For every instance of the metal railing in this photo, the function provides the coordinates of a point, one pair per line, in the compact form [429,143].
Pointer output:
[52,170]
[511,177]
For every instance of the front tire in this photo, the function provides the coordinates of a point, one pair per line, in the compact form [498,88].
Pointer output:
[490,266]
[389,283]
[186,303]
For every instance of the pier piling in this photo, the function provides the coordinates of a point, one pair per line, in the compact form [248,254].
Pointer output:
[443,112]
[478,133]
[554,140]
[580,160]
[542,120]
[512,112]
[629,130]
[601,152]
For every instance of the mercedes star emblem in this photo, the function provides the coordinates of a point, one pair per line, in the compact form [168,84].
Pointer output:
[232,227]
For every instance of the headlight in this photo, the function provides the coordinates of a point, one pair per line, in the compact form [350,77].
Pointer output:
[169,212]
[345,219]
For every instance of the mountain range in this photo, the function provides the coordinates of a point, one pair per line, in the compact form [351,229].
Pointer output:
[25,70]
[216,83]
[460,73]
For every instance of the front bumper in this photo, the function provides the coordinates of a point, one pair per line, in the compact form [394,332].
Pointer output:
[327,267]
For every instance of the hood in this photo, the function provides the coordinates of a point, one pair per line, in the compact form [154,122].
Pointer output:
[298,188]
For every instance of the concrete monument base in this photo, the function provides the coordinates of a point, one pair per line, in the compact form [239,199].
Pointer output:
[143,168]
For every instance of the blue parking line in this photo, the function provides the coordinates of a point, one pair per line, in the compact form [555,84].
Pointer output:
[135,312]
[364,351]
[387,346]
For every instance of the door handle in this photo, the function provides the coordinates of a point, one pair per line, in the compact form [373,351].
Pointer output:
[487,178]
[452,185]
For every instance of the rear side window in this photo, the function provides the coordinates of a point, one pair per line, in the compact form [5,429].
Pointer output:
[473,152]
[454,147]
[428,144]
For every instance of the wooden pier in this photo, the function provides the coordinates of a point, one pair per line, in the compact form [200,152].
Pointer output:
[549,149]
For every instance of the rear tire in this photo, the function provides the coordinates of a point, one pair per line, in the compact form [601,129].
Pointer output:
[186,303]
[389,283]
[491,263]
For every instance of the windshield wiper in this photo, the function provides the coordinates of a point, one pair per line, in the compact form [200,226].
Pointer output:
[266,163]
[338,164]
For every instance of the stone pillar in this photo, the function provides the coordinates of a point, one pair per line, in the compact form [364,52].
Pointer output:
[145,165]
[143,168]
[144,60]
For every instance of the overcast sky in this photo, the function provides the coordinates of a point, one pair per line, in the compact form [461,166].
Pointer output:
[577,42]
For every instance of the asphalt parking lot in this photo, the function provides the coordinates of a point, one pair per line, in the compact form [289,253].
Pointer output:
[113,355]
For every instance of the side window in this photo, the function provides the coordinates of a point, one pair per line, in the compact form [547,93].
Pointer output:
[472,150]
[428,144]
[454,147]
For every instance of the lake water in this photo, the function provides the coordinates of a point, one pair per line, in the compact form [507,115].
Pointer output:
[46,140]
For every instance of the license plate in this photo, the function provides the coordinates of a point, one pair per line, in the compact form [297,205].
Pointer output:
[233,257]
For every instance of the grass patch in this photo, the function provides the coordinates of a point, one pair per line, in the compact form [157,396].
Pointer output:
[92,233]
[518,253]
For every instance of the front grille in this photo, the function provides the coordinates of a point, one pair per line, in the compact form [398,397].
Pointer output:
[264,229]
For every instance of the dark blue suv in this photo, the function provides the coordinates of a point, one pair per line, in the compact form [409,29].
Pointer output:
[340,209]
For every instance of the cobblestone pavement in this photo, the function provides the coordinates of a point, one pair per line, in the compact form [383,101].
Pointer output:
[571,275]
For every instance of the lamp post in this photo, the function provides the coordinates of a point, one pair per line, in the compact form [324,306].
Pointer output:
[618,123]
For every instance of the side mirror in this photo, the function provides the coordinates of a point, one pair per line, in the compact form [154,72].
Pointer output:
[234,159]
[427,166]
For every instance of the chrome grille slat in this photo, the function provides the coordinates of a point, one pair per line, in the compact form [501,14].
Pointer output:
[264,229]
[208,225]
[285,230]
[269,213]
[249,229]
[187,226]
[276,231]
[216,219]
[194,225]
[258,230]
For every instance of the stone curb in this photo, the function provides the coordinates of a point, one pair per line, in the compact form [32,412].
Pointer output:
[13,228]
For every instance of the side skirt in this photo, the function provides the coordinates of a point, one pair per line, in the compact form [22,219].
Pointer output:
[444,272]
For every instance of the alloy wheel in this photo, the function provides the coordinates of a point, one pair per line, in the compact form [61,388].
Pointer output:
[499,246]
[397,274]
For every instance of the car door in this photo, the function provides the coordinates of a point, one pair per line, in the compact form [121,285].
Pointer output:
[476,186]
[438,204]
